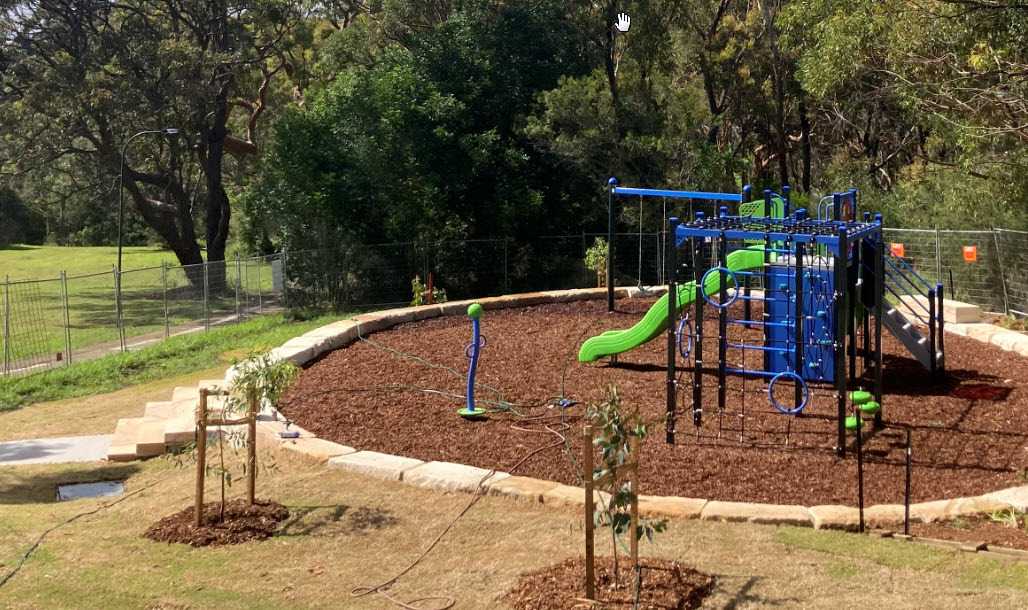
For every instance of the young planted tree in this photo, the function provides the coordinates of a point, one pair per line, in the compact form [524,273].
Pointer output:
[620,435]
[260,382]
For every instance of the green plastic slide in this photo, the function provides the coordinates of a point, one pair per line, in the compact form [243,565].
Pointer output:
[655,322]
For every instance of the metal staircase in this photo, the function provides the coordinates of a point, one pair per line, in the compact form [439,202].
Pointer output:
[923,305]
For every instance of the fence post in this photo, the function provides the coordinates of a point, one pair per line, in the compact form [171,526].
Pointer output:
[206,289]
[117,306]
[67,317]
[239,314]
[164,282]
[7,325]
[285,282]
[1002,277]
[260,297]
[938,255]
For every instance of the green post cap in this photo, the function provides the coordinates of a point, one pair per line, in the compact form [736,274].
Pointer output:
[860,397]
[475,310]
[852,423]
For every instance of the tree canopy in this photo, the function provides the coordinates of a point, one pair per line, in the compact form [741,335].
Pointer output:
[368,121]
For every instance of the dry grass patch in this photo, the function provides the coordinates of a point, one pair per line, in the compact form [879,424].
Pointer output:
[347,531]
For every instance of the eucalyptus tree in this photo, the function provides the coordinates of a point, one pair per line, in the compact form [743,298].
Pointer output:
[78,77]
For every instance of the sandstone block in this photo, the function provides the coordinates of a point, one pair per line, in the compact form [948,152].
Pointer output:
[446,476]
[374,464]
[671,506]
[756,513]
[522,487]
[834,516]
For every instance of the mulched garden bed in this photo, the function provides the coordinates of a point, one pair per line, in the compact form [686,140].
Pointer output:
[970,431]
[665,585]
[242,523]
[978,529]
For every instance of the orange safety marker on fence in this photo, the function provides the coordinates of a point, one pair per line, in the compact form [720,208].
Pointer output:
[897,249]
[971,254]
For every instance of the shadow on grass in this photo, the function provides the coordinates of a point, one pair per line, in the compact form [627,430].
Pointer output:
[744,598]
[335,519]
[29,485]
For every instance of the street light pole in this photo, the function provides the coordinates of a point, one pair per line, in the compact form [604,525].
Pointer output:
[168,133]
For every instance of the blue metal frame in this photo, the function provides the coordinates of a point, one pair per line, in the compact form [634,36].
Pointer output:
[621,190]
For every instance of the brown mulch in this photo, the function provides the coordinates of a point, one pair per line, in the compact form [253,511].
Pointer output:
[974,530]
[665,584]
[970,431]
[242,523]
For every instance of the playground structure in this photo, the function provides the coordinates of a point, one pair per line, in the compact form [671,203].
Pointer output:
[827,288]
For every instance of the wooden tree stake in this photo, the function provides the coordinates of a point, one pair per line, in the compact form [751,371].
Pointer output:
[201,454]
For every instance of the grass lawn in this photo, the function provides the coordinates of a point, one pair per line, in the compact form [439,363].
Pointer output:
[37,308]
[175,356]
[22,262]
[348,531]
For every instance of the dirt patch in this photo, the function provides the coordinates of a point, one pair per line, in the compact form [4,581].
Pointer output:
[665,584]
[1009,534]
[970,430]
[242,523]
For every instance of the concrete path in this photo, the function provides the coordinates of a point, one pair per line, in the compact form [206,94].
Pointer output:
[55,450]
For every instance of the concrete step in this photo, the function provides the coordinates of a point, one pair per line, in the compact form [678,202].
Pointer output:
[159,410]
[150,437]
[185,394]
[212,384]
[123,443]
[136,437]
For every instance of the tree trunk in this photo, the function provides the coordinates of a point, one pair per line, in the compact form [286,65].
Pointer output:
[805,139]
[777,79]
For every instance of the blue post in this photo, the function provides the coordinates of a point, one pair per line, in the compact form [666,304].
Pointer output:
[477,342]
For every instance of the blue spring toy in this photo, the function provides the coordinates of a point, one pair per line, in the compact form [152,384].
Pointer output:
[471,351]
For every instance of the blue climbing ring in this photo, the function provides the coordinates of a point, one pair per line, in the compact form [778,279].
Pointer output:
[703,284]
[481,344]
[797,379]
[685,322]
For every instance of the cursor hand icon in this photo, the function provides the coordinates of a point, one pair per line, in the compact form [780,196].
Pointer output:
[624,22]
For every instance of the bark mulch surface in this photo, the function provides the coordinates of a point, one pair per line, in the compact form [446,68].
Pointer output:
[665,584]
[970,430]
[978,529]
[242,523]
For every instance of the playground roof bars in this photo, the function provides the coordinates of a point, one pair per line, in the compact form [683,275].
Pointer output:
[620,190]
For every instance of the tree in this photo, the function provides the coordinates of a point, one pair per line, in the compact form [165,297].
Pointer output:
[78,77]
[426,141]
[18,224]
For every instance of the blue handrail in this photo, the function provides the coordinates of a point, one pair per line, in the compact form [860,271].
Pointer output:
[907,265]
[916,315]
[903,275]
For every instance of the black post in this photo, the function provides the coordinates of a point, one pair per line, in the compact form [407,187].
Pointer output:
[879,281]
[697,348]
[860,467]
[798,341]
[931,331]
[610,244]
[906,496]
[671,262]
[722,324]
[941,339]
[865,257]
[840,308]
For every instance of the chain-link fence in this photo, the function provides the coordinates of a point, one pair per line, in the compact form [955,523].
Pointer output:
[50,322]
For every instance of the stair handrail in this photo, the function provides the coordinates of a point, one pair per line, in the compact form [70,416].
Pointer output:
[907,265]
[920,319]
[908,293]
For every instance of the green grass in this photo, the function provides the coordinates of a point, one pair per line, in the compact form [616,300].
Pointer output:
[46,262]
[37,308]
[177,355]
[967,571]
